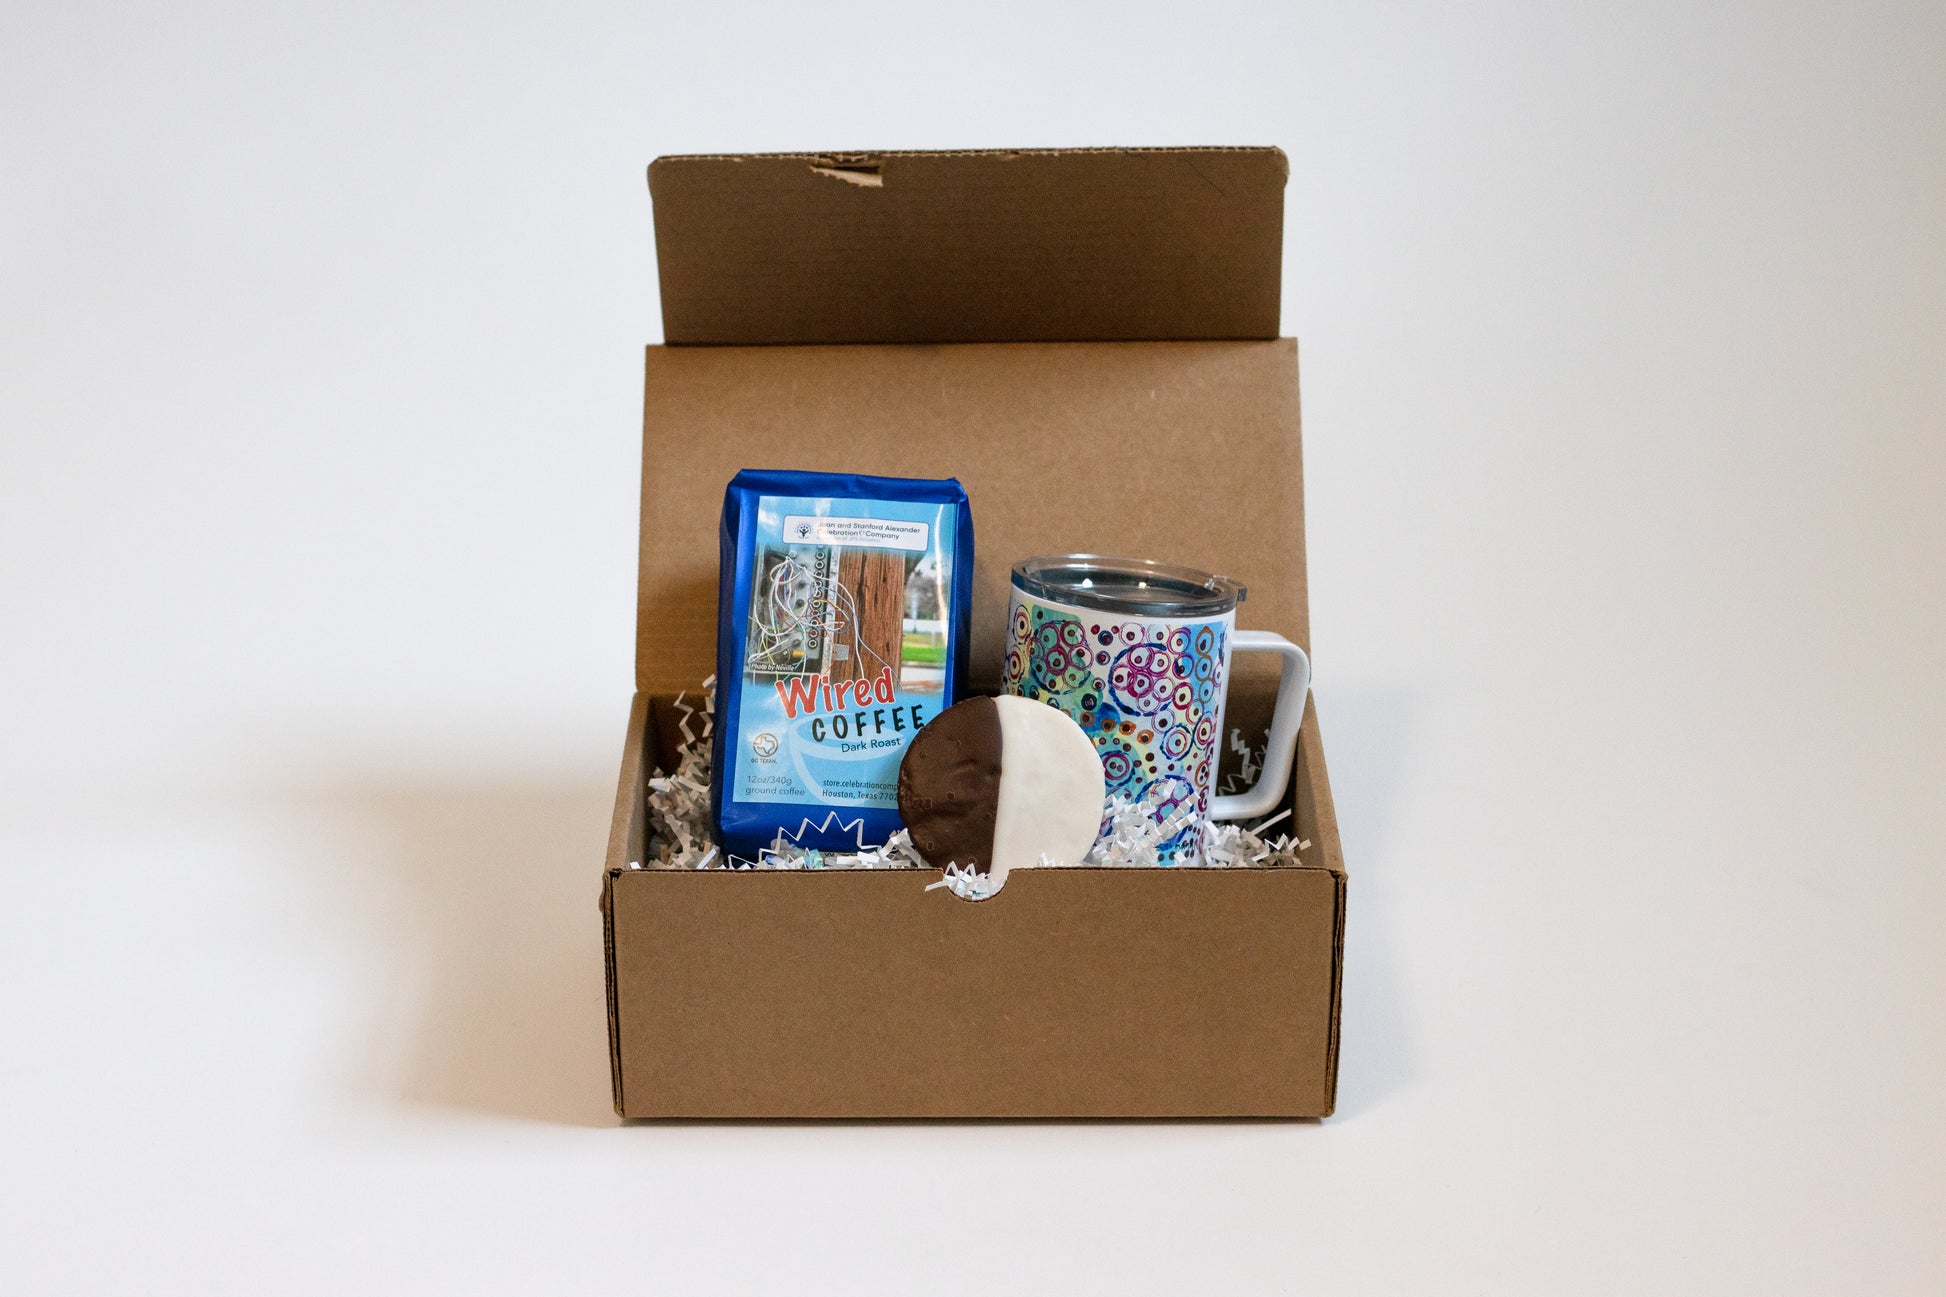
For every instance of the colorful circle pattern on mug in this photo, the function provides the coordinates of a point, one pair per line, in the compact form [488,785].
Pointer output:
[1146,694]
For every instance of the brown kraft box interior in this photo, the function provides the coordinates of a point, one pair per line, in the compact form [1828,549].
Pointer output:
[1088,341]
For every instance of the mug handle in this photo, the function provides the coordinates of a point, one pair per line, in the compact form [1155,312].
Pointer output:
[1293,685]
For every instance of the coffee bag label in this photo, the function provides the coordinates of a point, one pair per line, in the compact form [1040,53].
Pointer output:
[847,640]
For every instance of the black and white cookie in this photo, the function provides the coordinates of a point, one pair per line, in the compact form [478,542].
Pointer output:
[991,784]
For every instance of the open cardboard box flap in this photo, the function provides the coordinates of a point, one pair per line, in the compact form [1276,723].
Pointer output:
[1130,396]
[1034,245]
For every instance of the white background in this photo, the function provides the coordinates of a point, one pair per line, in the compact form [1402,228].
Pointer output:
[1624,337]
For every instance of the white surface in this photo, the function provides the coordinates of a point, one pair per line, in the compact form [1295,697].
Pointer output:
[1624,341]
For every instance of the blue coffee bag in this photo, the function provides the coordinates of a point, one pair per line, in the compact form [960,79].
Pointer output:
[843,608]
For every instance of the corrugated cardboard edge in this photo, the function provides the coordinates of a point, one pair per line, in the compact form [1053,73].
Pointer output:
[1317,814]
[625,829]
[857,155]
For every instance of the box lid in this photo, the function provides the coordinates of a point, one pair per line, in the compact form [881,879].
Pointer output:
[1031,245]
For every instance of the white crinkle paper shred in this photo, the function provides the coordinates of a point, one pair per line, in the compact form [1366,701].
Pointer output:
[679,831]
[679,803]
[1132,838]
[967,884]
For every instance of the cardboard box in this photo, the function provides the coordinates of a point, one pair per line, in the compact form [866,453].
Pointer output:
[1088,341]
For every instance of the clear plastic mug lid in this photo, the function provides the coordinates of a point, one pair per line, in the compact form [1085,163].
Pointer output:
[1134,587]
